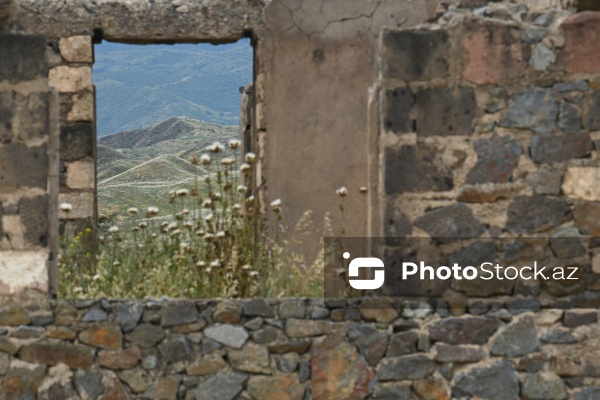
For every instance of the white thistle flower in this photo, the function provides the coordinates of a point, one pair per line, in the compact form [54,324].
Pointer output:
[113,229]
[66,207]
[208,217]
[205,159]
[216,263]
[207,203]
[234,144]
[220,234]
[132,210]
[182,192]
[228,161]
[153,210]
[342,192]
[216,147]
[185,211]
[242,189]
[250,157]
[244,167]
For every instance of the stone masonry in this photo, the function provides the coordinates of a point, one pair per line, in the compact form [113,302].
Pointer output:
[292,349]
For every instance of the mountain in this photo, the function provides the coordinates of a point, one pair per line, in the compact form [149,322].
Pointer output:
[139,85]
[138,168]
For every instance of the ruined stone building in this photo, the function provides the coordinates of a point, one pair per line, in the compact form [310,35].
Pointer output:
[473,122]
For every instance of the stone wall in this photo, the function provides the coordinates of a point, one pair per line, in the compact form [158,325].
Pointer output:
[293,349]
[28,165]
[488,128]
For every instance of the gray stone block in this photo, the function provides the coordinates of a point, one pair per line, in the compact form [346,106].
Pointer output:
[22,166]
[561,147]
[23,57]
[445,112]
[415,55]
[568,118]
[33,212]
[412,169]
[497,157]
[497,381]
[398,104]
[451,223]
[591,116]
[76,141]
[534,109]
[529,214]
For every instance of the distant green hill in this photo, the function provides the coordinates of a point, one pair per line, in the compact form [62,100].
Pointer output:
[139,85]
[138,168]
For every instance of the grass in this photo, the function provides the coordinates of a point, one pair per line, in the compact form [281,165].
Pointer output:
[206,239]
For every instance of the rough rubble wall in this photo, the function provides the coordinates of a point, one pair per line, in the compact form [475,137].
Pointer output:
[28,165]
[489,127]
[295,349]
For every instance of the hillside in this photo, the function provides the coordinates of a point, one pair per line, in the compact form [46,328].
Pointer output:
[139,85]
[138,168]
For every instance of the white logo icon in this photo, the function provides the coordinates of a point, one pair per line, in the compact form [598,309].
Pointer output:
[365,262]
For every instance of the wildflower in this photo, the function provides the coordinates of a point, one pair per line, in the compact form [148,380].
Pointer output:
[154,235]
[200,233]
[113,229]
[205,159]
[143,225]
[242,189]
[250,157]
[234,144]
[96,277]
[216,147]
[188,225]
[216,196]
[207,203]
[182,192]
[179,217]
[201,264]
[172,226]
[228,161]
[216,263]
[208,270]
[78,289]
[220,235]
[102,217]
[363,189]
[193,159]
[164,224]
[276,204]
[342,192]
[244,167]
[116,264]
[135,229]
[185,211]
[153,210]
[175,232]
[254,273]
[208,237]
[66,207]
[132,210]
[250,199]
[237,207]
[246,267]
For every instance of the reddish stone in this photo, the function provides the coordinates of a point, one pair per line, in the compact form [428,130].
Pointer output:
[105,337]
[61,333]
[581,52]
[115,391]
[125,359]
[48,353]
[339,372]
[484,194]
[295,346]
[493,52]
[587,218]
[432,389]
